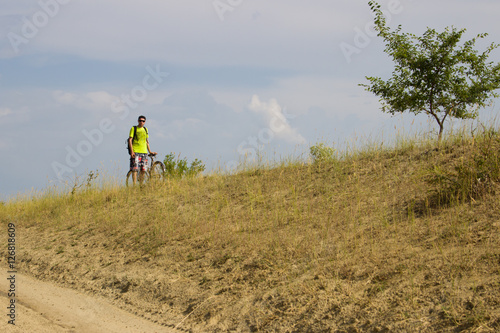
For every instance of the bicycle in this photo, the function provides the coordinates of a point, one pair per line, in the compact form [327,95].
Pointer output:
[156,171]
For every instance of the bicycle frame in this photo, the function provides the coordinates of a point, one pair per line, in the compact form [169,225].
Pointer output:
[156,171]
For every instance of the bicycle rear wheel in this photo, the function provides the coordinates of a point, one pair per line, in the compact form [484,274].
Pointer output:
[129,180]
[157,171]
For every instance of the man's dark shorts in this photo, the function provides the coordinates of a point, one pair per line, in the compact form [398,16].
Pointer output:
[140,161]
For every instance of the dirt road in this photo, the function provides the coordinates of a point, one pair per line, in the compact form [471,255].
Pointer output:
[43,307]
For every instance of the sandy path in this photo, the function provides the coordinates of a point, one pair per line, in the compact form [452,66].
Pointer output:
[44,307]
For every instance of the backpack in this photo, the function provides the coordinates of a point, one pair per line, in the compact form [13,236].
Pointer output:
[134,138]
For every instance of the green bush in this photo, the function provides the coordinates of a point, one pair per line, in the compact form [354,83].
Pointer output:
[321,153]
[178,168]
[474,176]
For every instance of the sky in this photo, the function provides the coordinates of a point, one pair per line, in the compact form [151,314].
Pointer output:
[218,80]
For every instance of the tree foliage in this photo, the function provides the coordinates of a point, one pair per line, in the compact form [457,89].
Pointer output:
[177,167]
[434,73]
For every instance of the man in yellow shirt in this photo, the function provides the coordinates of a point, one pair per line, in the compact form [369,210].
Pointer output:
[138,143]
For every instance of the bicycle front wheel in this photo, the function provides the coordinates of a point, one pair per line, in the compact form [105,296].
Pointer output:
[157,171]
[141,176]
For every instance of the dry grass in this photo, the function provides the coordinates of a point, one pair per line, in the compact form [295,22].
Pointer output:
[360,243]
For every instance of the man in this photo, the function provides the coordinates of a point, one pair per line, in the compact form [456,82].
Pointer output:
[138,145]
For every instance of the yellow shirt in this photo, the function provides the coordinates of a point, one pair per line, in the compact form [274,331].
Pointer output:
[139,144]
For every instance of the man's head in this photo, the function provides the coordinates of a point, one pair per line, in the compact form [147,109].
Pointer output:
[141,120]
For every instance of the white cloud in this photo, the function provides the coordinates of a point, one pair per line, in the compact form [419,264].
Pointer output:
[276,119]
[100,99]
[91,101]
[64,97]
[5,112]
[187,125]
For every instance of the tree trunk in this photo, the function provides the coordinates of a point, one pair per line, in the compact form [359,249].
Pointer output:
[440,135]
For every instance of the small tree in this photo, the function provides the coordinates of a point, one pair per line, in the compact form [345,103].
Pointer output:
[434,74]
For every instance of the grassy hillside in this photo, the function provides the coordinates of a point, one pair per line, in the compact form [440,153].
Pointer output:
[377,240]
